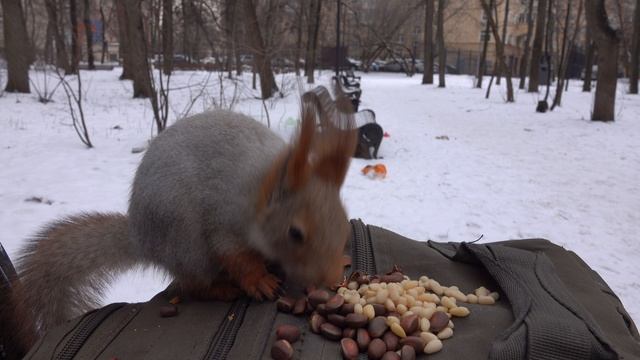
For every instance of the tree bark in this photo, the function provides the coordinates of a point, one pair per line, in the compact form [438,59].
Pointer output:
[137,50]
[504,37]
[261,56]
[167,36]
[62,60]
[123,39]
[524,61]
[103,31]
[17,47]
[536,51]
[483,56]
[566,53]
[75,47]
[635,50]
[607,41]
[315,10]
[88,32]
[442,50]
[299,24]
[588,66]
[427,74]
[229,10]
[499,49]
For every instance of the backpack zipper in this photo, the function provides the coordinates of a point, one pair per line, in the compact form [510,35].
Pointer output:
[223,340]
[361,249]
[83,331]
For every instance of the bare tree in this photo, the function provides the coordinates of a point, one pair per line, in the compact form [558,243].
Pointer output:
[261,57]
[536,51]
[62,60]
[607,41]
[566,51]
[74,99]
[137,49]
[504,37]
[167,36]
[315,10]
[105,22]
[88,34]
[499,49]
[299,24]
[17,47]
[75,47]
[524,60]
[442,50]
[635,50]
[588,67]
[123,38]
[482,64]
[427,75]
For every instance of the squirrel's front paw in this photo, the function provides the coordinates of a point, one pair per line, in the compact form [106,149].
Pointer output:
[260,287]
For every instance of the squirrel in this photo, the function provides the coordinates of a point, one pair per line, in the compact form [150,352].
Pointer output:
[216,198]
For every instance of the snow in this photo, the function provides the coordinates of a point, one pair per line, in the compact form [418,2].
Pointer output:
[502,171]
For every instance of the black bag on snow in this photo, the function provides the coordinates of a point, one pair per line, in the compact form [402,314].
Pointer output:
[552,306]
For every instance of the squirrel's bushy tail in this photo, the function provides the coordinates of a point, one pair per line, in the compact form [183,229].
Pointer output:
[66,267]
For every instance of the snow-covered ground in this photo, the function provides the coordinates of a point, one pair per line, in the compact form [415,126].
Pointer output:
[459,166]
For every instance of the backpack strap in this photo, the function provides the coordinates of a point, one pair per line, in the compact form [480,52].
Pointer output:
[548,322]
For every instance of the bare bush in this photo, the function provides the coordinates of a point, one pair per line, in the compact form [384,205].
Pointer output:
[74,99]
[45,80]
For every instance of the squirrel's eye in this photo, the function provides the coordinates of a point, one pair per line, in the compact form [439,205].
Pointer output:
[296,235]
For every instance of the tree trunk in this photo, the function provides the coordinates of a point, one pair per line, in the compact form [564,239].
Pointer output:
[167,36]
[17,47]
[482,64]
[315,11]
[504,36]
[566,53]
[524,61]
[137,50]
[62,60]
[607,41]
[427,74]
[299,24]
[229,10]
[261,56]
[88,32]
[588,66]
[103,33]
[635,50]
[536,51]
[442,50]
[75,47]
[123,39]
[499,49]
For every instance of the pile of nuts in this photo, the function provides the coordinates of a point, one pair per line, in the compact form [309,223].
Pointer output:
[385,316]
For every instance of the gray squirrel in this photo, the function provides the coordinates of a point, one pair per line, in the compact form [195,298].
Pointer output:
[216,198]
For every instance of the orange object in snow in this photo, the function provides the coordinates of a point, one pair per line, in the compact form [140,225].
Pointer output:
[375,171]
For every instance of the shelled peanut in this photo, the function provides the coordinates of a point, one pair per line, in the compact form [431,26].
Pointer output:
[387,316]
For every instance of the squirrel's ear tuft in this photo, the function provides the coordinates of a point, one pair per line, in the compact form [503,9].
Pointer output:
[271,183]
[298,168]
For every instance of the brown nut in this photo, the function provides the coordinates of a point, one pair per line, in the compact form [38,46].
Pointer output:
[318,297]
[355,321]
[393,277]
[285,304]
[379,309]
[439,320]
[376,349]
[363,339]
[416,342]
[322,309]
[410,323]
[291,333]
[315,322]
[390,355]
[337,320]
[168,311]
[334,303]
[349,333]
[391,340]
[349,349]
[346,309]
[282,350]
[407,353]
[300,306]
[331,331]
[377,327]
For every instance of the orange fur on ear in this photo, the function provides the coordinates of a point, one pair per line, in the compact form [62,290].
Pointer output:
[298,170]
[333,163]
[271,180]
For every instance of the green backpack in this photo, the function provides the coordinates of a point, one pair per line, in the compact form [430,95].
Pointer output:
[552,306]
